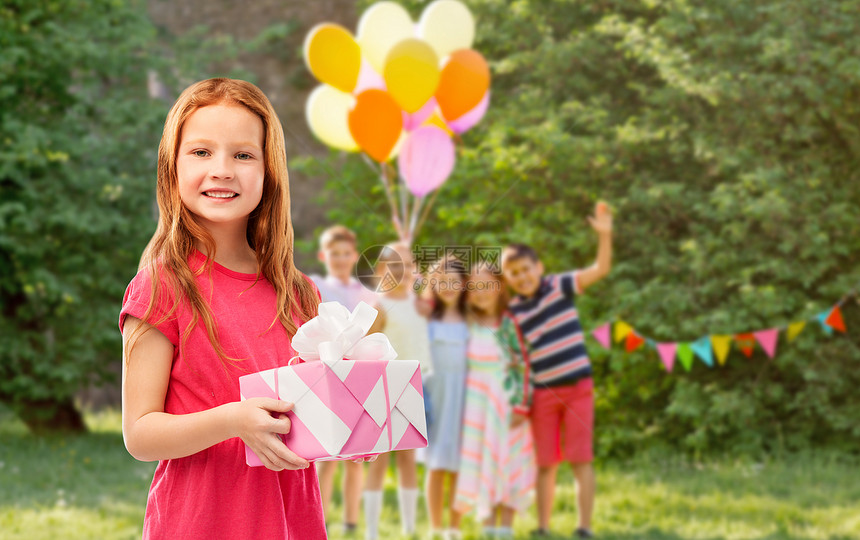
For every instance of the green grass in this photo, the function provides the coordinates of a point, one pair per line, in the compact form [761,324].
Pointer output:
[89,487]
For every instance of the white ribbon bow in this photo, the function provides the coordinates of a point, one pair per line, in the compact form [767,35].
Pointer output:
[336,334]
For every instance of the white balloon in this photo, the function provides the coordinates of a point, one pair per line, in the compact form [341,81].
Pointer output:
[382,25]
[447,25]
[327,112]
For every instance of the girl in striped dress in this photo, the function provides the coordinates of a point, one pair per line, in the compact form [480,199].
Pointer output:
[497,472]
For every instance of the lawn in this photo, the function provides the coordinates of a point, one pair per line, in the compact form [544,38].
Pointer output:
[89,487]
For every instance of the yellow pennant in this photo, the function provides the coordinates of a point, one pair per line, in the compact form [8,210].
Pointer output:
[621,330]
[794,329]
[721,347]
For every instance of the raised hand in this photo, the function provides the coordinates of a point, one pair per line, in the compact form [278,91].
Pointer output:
[258,421]
[601,221]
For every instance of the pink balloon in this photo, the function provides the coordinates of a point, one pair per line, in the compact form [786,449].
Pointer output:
[368,79]
[414,120]
[426,159]
[468,120]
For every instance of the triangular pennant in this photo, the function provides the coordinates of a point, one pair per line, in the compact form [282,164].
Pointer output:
[745,343]
[703,350]
[667,354]
[601,334]
[633,342]
[822,319]
[622,330]
[721,346]
[767,339]
[834,320]
[685,355]
[794,329]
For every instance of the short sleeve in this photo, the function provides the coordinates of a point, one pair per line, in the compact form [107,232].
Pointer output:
[136,303]
[568,282]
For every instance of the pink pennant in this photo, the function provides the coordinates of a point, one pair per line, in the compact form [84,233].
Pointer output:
[767,339]
[601,334]
[667,354]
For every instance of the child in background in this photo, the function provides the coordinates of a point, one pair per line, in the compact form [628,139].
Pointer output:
[402,321]
[217,297]
[338,251]
[548,321]
[497,470]
[446,389]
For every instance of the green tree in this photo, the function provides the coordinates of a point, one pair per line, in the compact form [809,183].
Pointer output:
[78,134]
[724,134]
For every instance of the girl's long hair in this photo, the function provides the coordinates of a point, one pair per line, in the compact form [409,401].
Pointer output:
[269,232]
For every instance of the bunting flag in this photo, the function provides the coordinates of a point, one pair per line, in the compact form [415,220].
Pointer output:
[794,329]
[721,346]
[834,320]
[707,347]
[601,334]
[745,343]
[767,339]
[822,319]
[634,341]
[667,354]
[685,355]
[703,350]
[622,330]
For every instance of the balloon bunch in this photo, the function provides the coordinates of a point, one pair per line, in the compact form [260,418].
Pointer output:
[399,90]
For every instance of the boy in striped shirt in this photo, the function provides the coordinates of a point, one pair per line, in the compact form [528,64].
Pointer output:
[544,311]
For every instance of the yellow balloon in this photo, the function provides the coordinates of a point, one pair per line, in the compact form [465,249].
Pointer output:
[411,73]
[383,25]
[447,25]
[333,56]
[327,110]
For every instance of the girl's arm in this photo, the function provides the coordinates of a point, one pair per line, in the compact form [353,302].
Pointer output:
[151,434]
[602,223]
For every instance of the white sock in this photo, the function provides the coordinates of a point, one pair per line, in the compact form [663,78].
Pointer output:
[372,513]
[505,532]
[407,499]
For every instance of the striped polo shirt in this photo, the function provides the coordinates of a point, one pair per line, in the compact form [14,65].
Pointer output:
[550,325]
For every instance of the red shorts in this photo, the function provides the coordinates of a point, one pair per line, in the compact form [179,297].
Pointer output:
[570,408]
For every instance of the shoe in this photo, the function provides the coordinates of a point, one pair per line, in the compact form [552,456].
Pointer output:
[540,533]
[349,529]
[583,533]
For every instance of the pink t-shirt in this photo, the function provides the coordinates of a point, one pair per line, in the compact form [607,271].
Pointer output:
[213,493]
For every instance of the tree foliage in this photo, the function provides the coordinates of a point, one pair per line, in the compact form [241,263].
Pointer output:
[725,136]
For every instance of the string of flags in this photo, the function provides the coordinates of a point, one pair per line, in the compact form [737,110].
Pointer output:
[713,347]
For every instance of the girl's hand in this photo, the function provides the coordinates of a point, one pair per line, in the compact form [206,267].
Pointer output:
[257,422]
[601,221]
[370,459]
[517,420]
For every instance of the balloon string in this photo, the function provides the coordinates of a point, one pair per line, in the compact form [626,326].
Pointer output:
[416,206]
[383,177]
[425,212]
[404,210]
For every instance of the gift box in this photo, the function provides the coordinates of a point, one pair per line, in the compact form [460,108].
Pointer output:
[352,397]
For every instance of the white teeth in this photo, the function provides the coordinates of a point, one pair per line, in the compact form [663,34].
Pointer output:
[220,194]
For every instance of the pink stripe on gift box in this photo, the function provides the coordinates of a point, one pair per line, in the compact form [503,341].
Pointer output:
[329,388]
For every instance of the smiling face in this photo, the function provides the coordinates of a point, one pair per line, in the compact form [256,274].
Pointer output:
[484,292]
[220,164]
[339,258]
[522,275]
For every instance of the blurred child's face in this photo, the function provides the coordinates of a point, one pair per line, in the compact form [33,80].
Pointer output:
[484,291]
[220,164]
[339,258]
[523,275]
[448,286]
[401,267]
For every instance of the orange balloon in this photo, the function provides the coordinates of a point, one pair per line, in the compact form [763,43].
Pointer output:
[462,84]
[375,123]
